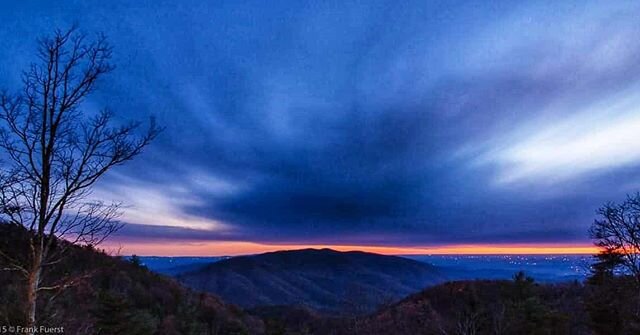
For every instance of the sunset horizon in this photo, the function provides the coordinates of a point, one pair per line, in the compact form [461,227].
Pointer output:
[237,248]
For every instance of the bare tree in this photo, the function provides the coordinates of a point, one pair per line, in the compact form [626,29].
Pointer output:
[54,152]
[468,322]
[617,233]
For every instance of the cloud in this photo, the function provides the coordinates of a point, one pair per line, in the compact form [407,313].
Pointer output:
[385,122]
[601,137]
[162,203]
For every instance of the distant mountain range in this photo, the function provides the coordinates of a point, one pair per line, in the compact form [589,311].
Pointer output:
[323,279]
[172,266]
[544,268]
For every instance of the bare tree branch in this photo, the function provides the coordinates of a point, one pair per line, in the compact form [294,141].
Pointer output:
[55,153]
[617,233]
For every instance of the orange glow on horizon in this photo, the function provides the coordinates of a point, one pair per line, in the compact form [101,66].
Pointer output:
[234,248]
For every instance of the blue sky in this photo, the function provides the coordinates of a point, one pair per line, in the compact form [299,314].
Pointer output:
[362,122]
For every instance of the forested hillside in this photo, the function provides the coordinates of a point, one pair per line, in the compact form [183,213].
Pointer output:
[346,283]
[605,305]
[111,296]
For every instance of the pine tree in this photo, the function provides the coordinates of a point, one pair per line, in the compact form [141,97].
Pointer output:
[111,316]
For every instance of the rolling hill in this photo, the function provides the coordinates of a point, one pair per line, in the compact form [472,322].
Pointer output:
[519,306]
[482,307]
[322,279]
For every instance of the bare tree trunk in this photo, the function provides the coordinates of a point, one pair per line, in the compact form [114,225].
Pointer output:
[55,156]
[638,295]
[33,283]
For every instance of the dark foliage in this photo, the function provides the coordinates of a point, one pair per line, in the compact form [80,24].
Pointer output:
[612,300]
[520,306]
[119,297]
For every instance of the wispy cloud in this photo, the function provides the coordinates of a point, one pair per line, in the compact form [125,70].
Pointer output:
[602,136]
[164,203]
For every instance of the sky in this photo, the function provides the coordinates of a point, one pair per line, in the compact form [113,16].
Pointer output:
[399,127]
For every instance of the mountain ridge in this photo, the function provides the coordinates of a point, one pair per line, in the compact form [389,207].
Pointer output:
[352,282]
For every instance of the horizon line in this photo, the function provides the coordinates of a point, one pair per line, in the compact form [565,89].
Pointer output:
[240,248]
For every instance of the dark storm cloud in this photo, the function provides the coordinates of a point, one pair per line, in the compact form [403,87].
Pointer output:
[367,122]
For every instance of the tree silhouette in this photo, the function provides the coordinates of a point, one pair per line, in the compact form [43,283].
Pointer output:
[54,151]
[617,233]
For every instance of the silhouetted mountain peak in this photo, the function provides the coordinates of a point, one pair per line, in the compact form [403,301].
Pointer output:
[324,279]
